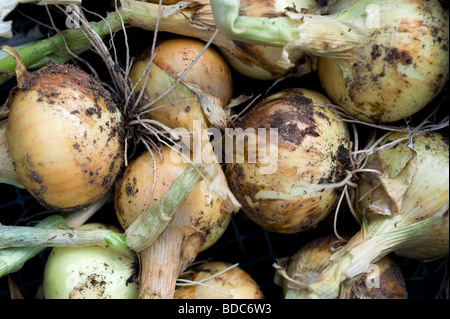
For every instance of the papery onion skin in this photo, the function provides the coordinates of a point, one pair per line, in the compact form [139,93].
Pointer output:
[313,147]
[234,283]
[306,265]
[423,195]
[91,272]
[65,137]
[401,66]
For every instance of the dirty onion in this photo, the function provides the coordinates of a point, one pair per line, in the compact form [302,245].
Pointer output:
[403,207]
[199,220]
[91,272]
[63,137]
[285,191]
[381,62]
[384,280]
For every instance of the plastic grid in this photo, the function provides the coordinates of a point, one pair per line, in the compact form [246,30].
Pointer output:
[254,248]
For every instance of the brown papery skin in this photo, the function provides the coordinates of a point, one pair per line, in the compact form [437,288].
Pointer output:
[178,245]
[312,147]
[65,137]
[234,283]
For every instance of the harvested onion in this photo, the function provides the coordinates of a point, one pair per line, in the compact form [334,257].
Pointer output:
[381,61]
[197,224]
[384,280]
[310,147]
[194,18]
[91,272]
[64,137]
[217,280]
[404,209]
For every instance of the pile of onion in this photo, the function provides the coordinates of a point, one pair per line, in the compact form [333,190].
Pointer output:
[217,280]
[63,138]
[288,147]
[384,280]
[196,225]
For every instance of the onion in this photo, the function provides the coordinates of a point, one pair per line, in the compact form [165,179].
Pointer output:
[284,192]
[381,61]
[91,272]
[195,19]
[63,137]
[202,93]
[197,224]
[384,280]
[217,280]
[404,208]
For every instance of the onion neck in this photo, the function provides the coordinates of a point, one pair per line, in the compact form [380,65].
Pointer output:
[7,172]
[314,34]
[163,261]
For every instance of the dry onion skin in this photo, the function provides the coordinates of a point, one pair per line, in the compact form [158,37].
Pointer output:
[217,280]
[194,18]
[404,209]
[91,272]
[196,225]
[64,136]
[312,148]
[381,61]
[383,281]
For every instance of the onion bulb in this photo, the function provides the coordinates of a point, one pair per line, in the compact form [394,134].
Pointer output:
[217,280]
[202,93]
[404,208]
[384,280]
[197,224]
[194,18]
[91,272]
[381,61]
[308,145]
[63,137]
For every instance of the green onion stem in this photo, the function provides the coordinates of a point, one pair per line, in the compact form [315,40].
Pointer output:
[151,223]
[25,236]
[55,48]
[12,259]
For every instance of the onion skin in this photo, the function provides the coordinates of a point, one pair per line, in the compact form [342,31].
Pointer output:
[312,147]
[235,282]
[91,272]
[64,137]
[400,67]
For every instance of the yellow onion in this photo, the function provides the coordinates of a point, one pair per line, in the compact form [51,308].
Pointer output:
[401,67]
[91,272]
[202,93]
[64,137]
[384,280]
[217,280]
[285,191]
[381,61]
[194,18]
[197,224]
[404,208]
